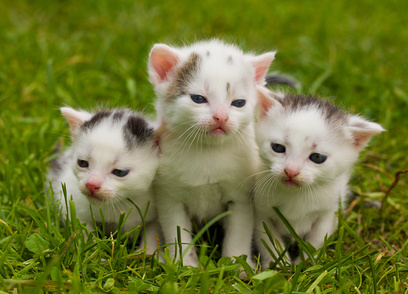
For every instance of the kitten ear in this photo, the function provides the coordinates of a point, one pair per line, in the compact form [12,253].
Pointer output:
[267,100]
[162,60]
[261,65]
[75,118]
[362,130]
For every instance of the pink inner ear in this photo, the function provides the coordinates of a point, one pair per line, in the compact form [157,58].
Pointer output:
[265,100]
[261,64]
[361,138]
[73,117]
[362,131]
[163,60]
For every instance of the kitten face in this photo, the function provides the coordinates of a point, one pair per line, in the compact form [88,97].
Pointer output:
[302,150]
[208,94]
[111,161]
[212,106]
[309,142]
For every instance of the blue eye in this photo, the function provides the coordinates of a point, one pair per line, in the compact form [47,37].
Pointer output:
[317,158]
[82,163]
[120,173]
[278,148]
[198,98]
[238,103]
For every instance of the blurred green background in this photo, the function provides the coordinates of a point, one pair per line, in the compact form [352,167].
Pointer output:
[94,53]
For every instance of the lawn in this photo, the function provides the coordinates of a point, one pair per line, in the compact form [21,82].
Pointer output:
[87,54]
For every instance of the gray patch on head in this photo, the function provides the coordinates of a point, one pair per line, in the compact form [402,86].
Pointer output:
[228,87]
[229,60]
[184,74]
[330,112]
[208,53]
[96,119]
[136,131]
[118,115]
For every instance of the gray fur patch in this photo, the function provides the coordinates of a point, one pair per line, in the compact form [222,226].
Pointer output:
[185,73]
[136,130]
[118,115]
[329,111]
[96,119]
[229,60]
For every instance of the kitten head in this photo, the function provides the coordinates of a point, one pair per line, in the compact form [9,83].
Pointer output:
[114,153]
[306,141]
[206,91]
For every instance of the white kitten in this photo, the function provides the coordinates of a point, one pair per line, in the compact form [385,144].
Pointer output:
[308,147]
[206,101]
[113,157]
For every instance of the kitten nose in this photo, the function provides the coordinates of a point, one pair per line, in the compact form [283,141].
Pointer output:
[92,187]
[220,120]
[291,173]
[220,116]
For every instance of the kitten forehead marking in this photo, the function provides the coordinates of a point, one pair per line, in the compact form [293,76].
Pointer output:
[329,111]
[96,119]
[136,130]
[118,115]
[184,75]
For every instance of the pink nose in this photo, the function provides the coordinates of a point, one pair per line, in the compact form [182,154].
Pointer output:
[92,187]
[220,119]
[291,173]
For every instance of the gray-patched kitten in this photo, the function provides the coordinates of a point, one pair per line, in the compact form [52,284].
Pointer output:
[308,147]
[113,157]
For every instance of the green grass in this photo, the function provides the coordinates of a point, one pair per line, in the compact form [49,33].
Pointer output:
[91,53]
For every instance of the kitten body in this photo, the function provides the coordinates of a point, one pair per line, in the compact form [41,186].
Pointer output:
[308,148]
[113,157]
[206,102]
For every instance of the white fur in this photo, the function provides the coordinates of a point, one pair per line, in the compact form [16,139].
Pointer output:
[200,174]
[311,206]
[105,150]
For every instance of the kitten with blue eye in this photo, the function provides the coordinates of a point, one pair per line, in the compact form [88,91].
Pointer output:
[308,147]
[113,157]
[206,102]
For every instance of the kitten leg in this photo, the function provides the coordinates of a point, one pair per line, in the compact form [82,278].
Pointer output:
[152,233]
[239,226]
[266,257]
[324,226]
[172,215]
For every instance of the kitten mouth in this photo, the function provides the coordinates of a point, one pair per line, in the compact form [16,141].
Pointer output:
[291,183]
[218,132]
[96,198]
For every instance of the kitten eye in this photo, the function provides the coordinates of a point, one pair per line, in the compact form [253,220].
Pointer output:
[198,98]
[238,103]
[317,158]
[278,148]
[82,163]
[120,173]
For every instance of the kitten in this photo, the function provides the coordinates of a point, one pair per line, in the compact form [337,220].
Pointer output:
[206,102]
[113,157]
[308,147]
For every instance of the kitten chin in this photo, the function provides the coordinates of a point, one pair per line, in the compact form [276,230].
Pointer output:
[110,168]
[308,147]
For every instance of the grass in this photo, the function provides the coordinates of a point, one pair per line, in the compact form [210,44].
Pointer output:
[91,53]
